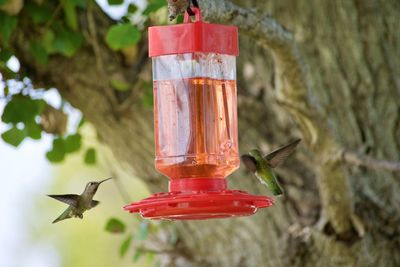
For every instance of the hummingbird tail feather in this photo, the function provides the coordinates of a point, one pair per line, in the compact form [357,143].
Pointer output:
[60,219]
[277,190]
[65,215]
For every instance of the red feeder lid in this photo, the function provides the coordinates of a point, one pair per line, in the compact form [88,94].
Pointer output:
[190,37]
[199,199]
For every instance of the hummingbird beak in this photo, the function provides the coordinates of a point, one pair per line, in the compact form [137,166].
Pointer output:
[105,180]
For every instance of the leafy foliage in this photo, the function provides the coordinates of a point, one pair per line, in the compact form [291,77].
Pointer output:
[122,35]
[57,153]
[71,18]
[67,42]
[47,41]
[72,143]
[144,230]
[153,6]
[13,136]
[63,146]
[115,225]
[33,130]
[7,25]
[132,8]
[125,245]
[38,52]
[22,109]
[5,55]
[137,255]
[39,14]
[90,156]
[120,85]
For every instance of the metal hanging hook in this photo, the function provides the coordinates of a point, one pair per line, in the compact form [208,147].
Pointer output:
[195,4]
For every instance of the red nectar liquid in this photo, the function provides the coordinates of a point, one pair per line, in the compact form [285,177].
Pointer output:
[196,128]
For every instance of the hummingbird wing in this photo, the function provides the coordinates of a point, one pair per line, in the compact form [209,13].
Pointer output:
[94,203]
[279,155]
[249,162]
[65,215]
[70,199]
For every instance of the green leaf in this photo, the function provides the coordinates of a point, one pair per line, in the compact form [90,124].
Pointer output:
[33,130]
[132,8]
[115,226]
[2,2]
[79,3]
[138,254]
[72,143]
[125,245]
[115,2]
[39,14]
[143,231]
[67,42]
[39,53]
[22,109]
[5,55]
[122,35]
[57,153]
[90,156]
[13,136]
[47,41]
[7,26]
[6,72]
[154,6]
[71,18]
[125,19]
[120,85]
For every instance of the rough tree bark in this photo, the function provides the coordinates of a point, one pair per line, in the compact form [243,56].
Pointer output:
[330,75]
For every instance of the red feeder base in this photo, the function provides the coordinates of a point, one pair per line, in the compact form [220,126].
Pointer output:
[197,199]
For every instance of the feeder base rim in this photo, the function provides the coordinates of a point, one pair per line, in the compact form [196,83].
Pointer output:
[199,205]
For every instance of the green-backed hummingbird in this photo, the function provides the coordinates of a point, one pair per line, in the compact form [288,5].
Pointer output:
[262,166]
[78,204]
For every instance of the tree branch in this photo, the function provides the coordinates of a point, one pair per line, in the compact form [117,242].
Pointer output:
[369,162]
[53,120]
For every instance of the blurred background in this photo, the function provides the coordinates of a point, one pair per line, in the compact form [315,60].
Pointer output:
[29,237]
[324,71]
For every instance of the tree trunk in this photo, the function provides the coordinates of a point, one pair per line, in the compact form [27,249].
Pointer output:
[348,53]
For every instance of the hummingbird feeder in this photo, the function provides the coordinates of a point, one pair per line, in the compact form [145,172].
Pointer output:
[195,121]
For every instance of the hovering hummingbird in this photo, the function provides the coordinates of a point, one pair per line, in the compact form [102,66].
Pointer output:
[262,166]
[78,204]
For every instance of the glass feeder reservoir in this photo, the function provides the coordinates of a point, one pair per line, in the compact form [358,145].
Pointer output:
[195,121]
